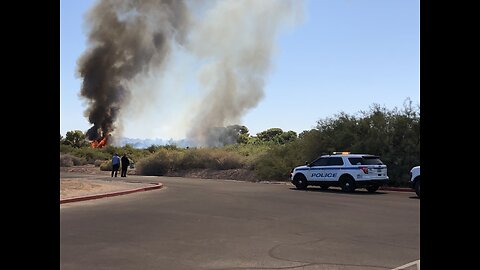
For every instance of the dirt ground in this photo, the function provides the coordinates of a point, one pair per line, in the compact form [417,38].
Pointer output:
[87,169]
[92,184]
[75,187]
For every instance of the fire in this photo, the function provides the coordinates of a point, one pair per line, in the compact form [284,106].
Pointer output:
[99,143]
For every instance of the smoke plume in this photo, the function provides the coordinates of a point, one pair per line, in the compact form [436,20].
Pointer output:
[238,39]
[232,42]
[126,39]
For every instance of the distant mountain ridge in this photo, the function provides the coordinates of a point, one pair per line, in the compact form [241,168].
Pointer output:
[144,143]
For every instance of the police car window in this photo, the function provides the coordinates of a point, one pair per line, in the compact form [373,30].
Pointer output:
[366,160]
[335,161]
[320,162]
[355,161]
[371,160]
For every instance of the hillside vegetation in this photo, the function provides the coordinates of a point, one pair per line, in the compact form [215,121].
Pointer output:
[394,135]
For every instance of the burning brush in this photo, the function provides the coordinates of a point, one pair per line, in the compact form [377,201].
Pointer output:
[98,137]
[99,143]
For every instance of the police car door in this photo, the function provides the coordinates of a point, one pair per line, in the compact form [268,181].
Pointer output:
[334,165]
[317,169]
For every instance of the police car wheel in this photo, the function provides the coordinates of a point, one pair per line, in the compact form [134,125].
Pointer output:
[417,188]
[324,186]
[300,181]
[372,189]
[347,184]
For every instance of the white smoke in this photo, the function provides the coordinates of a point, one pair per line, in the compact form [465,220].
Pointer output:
[216,76]
[237,39]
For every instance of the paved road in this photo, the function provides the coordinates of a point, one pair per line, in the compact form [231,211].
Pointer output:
[217,224]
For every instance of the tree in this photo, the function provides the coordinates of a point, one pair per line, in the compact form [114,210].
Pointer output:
[277,136]
[288,136]
[239,129]
[75,138]
[269,134]
[240,132]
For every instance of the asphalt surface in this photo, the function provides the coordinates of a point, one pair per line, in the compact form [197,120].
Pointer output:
[221,224]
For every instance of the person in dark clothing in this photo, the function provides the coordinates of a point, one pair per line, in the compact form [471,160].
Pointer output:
[115,164]
[125,163]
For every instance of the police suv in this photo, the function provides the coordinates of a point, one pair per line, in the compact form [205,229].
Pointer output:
[345,170]
[415,179]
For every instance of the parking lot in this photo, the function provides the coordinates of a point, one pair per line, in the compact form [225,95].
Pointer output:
[221,224]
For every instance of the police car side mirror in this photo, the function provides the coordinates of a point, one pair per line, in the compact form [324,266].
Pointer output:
[306,163]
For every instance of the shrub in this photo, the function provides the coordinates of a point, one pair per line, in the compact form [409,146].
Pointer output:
[156,164]
[194,158]
[205,158]
[91,154]
[106,165]
[276,163]
[170,160]
[67,160]
[223,160]
[78,161]
[65,149]
[249,153]
[98,162]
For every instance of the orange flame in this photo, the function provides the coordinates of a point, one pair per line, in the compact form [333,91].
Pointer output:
[99,143]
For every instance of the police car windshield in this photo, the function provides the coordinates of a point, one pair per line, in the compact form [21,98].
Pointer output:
[365,160]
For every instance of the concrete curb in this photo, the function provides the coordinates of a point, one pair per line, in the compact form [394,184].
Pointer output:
[111,194]
[397,189]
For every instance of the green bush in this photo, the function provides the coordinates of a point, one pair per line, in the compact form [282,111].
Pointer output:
[91,154]
[156,164]
[249,153]
[106,153]
[394,135]
[223,160]
[277,162]
[169,160]
[207,158]
[65,149]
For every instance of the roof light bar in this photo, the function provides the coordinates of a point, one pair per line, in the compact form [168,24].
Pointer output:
[341,153]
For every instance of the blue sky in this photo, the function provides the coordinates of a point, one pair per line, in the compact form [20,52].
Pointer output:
[344,56]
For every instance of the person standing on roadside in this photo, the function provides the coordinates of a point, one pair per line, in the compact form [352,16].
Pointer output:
[125,163]
[115,164]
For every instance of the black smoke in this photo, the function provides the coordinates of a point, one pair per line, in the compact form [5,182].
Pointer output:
[125,39]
